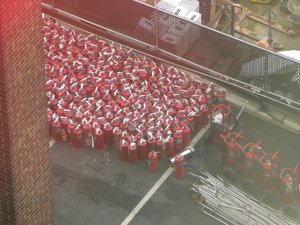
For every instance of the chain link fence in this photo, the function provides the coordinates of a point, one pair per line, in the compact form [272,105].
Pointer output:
[272,74]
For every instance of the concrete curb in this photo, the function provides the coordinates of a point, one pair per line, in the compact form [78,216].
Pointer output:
[290,122]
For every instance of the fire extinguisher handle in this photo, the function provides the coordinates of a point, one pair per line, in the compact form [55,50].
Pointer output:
[153,152]
[138,130]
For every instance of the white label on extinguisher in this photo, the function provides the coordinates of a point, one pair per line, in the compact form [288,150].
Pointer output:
[64,137]
[178,140]
[88,141]
[181,164]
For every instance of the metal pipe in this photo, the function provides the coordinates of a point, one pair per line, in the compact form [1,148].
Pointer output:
[233,205]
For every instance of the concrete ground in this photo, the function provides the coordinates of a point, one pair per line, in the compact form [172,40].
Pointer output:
[94,187]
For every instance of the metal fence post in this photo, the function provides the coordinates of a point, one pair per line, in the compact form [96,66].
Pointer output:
[156,26]
[266,74]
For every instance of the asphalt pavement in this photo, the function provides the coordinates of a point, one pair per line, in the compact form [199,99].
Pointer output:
[92,187]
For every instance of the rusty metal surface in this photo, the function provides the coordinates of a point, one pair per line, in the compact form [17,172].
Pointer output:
[294,7]
[289,42]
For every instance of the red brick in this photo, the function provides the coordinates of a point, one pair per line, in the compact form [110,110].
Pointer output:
[24,180]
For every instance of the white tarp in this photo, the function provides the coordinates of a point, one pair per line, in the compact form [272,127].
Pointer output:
[292,54]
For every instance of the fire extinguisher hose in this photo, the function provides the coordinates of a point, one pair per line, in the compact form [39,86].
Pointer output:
[191,159]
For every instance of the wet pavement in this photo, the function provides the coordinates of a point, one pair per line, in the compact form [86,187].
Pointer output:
[94,187]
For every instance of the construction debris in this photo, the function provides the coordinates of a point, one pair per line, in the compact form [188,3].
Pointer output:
[229,205]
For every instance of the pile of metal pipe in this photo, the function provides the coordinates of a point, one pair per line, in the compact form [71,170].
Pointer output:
[229,205]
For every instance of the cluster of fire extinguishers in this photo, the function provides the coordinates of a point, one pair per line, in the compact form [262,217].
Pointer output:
[259,172]
[102,95]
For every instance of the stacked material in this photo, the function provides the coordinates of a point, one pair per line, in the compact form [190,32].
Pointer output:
[229,205]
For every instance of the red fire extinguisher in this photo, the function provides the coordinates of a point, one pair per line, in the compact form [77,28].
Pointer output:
[63,136]
[191,122]
[56,129]
[60,111]
[198,121]
[87,133]
[64,122]
[142,149]
[202,100]
[123,150]
[179,166]
[139,135]
[132,128]
[115,122]
[108,140]
[170,146]
[132,153]
[77,137]
[161,148]
[153,161]
[116,136]
[78,116]
[186,136]
[124,134]
[178,141]
[132,138]
[221,96]
[70,129]
[98,139]
[124,125]
[68,113]
[151,144]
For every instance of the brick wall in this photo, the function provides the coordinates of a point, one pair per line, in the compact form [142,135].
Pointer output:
[25,168]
